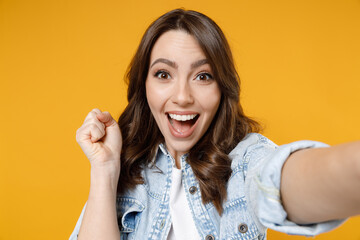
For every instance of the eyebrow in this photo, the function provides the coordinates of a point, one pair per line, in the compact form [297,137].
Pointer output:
[199,63]
[174,65]
[166,61]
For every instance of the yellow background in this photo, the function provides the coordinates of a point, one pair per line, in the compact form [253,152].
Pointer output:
[299,62]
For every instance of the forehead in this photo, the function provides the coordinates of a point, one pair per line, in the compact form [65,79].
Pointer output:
[176,43]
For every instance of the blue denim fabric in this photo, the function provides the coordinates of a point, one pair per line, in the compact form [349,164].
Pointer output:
[253,202]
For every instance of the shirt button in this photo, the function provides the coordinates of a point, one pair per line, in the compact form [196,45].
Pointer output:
[192,189]
[209,237]
[243,228]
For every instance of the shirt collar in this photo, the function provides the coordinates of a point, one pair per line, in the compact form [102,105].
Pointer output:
[166,153]
[163,149]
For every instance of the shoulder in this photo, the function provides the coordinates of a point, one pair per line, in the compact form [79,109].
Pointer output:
[251,150]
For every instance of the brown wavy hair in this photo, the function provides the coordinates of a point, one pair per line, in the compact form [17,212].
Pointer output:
[141,136]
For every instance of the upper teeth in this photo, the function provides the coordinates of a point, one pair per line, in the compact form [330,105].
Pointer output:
[182,117]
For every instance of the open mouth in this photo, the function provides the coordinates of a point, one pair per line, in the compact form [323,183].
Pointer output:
[183,124]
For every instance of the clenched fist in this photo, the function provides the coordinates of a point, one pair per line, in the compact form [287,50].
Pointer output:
[100,139]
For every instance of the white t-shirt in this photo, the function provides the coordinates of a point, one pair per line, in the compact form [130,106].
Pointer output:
[183,225]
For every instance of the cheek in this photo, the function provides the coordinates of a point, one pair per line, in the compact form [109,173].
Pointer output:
[210,100]
[150,95]
[155,98]
[157,94]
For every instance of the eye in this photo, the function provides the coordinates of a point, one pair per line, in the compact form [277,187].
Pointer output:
[204,76]
[162,75]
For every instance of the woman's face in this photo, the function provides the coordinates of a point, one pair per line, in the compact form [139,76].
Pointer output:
[181,92]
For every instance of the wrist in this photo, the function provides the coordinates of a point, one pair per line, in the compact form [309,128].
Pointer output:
[106,170]
[103,183]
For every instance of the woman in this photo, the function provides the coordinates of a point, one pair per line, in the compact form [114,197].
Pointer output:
[192,166]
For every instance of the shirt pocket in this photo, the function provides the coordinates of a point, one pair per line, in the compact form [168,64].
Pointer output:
[128,212]
[237,223]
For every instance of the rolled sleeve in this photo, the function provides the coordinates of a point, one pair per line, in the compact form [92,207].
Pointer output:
[263,180]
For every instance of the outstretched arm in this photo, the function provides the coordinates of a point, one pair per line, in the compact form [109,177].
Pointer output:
[322,184]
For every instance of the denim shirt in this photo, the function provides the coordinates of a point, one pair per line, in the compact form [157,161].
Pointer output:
[253,201]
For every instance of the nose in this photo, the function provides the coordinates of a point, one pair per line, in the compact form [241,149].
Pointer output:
[182,93]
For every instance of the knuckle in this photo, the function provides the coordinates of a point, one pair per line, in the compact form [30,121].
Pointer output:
[92,127]
[96,122]
[96,110]
[91,118]
[92,121]
[77,136]
[78,131]
[96,131]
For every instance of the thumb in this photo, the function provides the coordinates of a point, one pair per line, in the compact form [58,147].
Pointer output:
[112,136]
[106,118]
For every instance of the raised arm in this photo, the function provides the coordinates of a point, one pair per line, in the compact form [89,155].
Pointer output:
[100,139]
[322,184]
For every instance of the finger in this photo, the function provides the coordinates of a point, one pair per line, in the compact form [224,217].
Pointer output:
[96,110]
[107,119]
[95,133]
[97,123]
[94,120]
[90,132]
[113,137]
[92,114]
